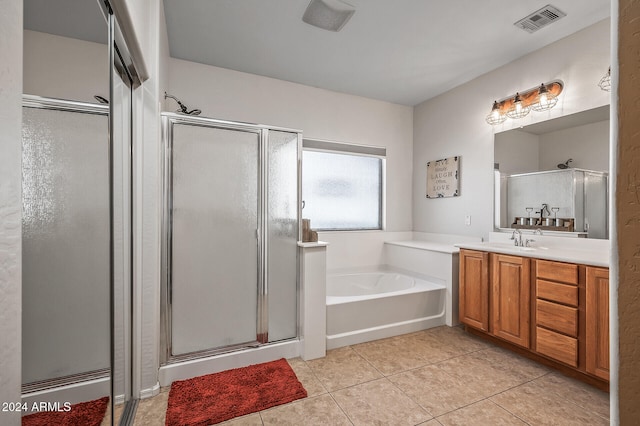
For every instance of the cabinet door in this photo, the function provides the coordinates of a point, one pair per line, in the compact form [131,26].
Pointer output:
[474,289]
[510,298]
[597,322]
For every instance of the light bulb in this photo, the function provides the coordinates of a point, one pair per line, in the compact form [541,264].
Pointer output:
[517,110]
[544,101]
[519,106]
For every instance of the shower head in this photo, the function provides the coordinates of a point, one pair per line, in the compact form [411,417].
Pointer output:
[565,165]
[183,109]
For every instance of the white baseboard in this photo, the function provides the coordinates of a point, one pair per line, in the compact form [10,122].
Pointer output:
[199,367]
[150,392]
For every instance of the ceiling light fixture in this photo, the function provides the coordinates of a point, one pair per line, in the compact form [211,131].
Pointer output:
[540,98]
[605,82]
[329,15]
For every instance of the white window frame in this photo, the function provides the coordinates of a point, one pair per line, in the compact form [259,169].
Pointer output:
[333,147]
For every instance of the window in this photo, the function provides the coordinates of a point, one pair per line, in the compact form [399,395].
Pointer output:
[342,185]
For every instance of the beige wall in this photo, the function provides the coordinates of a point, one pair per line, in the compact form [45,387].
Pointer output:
[65,68]
[628,212]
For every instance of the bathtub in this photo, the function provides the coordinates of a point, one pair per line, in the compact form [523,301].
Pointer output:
[367,306]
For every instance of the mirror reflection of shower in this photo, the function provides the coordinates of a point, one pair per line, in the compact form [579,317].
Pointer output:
[183,108]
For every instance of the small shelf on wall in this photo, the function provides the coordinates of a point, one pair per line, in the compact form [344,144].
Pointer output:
[569,225]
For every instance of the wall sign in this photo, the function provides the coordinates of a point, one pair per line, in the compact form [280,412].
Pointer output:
[443,178]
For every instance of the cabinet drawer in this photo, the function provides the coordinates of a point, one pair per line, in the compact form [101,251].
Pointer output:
[557,271]
[557,346]
[561,293]
[557,317]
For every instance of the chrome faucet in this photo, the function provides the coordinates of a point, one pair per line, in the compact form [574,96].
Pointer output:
[517,241]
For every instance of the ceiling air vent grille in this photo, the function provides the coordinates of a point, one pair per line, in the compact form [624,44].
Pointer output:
[540,18]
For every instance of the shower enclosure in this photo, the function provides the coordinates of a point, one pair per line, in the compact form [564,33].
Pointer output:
[230,276]
[66,237]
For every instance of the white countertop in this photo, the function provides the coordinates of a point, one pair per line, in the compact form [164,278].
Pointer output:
[592,256]
[426,245]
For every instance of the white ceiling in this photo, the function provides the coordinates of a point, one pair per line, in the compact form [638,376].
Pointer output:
[81,19]
[401,51]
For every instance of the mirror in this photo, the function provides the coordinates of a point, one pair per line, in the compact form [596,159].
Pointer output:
[76,217]
[553,176]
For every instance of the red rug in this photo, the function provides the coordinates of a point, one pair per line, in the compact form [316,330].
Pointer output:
[217,397]
[88,413]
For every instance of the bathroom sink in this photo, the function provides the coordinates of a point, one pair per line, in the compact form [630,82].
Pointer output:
[527,248]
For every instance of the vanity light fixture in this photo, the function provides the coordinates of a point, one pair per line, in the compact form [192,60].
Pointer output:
[495,116]
[540,98]
[546,100]
[605,82]
[518,109]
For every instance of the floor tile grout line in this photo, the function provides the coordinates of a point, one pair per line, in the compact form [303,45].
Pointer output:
[489,396]
[411,399]
[341,409]
[509,411]
[315,376]
[551,373]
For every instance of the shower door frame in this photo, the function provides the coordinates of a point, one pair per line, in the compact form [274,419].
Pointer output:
[262,327]
[53,104]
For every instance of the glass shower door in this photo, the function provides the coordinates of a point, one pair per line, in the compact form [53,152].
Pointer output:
[65,243]
[282,234]
[214,176]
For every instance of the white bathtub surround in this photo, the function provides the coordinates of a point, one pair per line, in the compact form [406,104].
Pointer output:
[433,257]
[358,250]
[426,257]
[368,305]
[313,314]
[587,251]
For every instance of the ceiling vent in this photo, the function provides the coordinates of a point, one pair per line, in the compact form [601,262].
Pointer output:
[540,18]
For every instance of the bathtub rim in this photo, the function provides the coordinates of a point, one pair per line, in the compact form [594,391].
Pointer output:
[422,284]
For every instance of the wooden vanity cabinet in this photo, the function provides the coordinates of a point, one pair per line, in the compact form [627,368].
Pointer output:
[499,281]
[510,298]
[474,289]
[597,322]
[555,312]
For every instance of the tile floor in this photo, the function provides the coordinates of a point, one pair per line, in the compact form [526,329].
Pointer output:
[441,376]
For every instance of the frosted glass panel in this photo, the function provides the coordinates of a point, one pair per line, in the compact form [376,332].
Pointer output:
[342,191]
[214,244]
[282,240]
[556,189]
[65,244]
